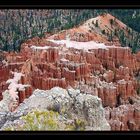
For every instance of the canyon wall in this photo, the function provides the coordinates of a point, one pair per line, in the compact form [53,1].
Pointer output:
[109,73]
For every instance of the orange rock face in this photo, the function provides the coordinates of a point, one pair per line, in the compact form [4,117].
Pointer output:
[124,117]
[4,76]
[24,94]
[109,73]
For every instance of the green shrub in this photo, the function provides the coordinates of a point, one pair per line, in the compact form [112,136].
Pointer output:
[46,120]
[103,32]
[37,121]
[79,124]
[41,120]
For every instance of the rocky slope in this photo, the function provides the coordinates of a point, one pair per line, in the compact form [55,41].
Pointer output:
[70,104]
[105,29]
[34,22]
[72,58]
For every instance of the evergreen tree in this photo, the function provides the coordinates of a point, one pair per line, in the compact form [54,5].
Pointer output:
[103,32]
[111,22]
[96,24]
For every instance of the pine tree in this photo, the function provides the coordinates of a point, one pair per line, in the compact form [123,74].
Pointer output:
[96,24]
[111,22]
[103,32]
[115,32]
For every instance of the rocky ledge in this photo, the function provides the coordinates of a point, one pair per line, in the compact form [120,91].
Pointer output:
[70,105]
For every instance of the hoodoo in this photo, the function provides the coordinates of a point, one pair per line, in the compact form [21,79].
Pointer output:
[82,59]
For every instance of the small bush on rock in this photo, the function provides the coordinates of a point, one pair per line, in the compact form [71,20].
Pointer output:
[46,120]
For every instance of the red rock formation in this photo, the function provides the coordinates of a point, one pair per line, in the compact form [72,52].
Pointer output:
[124,117]
[4,73]
[4,76]
[108,76]
[13,86]
[46,84]
[126,89]
[21,96]
[115,57]
[49,55]
[108,95]
[123,73]
[108,73]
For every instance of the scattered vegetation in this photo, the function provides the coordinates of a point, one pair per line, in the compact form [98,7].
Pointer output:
[46,120]
[19,25]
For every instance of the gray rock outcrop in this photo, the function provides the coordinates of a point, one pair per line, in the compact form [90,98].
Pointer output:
[70,101]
